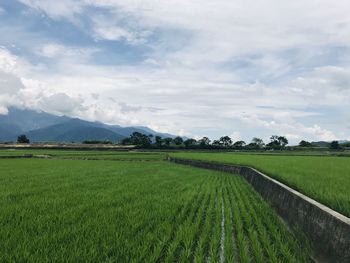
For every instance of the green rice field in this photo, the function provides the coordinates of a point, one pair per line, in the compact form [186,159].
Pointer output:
[323,178]
[54,210]
[90,154]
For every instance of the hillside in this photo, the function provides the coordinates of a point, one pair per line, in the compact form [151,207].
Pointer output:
[40,126]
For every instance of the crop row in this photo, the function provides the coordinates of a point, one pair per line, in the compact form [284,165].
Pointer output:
[228,222]
[323,178]
[104,211]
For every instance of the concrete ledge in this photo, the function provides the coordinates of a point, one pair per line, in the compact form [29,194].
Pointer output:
[327,230]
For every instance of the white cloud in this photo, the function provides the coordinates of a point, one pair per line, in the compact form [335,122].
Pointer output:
[8,61]
[114,27]
[56,9]
[236,136]
[60,52]
[112,33]
[9,83]
[290,128]
[60,103]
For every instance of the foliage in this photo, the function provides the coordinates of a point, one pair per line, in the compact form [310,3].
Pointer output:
[334,145]
[167,141]
[23,139]
[190,142]
[277,142]
[225,141]
[346,144]
[205,141]
[258,142]
[305,144]
[158,141]
[138,139]
[239,144]
[252,146]
[178,140]
[217,143]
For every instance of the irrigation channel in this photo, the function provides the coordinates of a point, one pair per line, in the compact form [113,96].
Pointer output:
[327,230]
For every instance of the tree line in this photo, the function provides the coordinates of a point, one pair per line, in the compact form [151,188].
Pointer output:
[224,142]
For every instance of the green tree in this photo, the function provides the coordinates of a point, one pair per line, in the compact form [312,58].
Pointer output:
[225,141]
[274,143]
[168,141]
[22,139]
[205,141]
[178,140]
[277,142]
[305,144]
[190,142]
[283,141]
[126,141]
[252,146]
[158,141]
[138,139]
[239,144]
[258,142]
[217,143]
[334,145]
[346,144]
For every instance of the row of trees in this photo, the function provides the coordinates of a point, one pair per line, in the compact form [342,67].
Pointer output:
[148,141]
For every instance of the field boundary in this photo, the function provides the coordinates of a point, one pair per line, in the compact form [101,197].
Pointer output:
[327,230]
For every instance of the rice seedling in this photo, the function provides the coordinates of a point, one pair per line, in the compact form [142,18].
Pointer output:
[110,211]
[323,178]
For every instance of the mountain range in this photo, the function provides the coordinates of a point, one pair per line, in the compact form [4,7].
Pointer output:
[40,126]
[327,143]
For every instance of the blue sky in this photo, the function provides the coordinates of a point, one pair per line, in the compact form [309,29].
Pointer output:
[194,68]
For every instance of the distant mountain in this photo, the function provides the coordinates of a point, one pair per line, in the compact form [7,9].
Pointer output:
[327,143]
[8,131]
[125,131]
[320,144]
[26,120]
[43,127]
[150,131]
[74,130]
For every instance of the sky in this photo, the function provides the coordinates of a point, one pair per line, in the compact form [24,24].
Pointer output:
[242,68]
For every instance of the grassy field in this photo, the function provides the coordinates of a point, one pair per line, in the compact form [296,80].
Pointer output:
[110,211]
[324,178]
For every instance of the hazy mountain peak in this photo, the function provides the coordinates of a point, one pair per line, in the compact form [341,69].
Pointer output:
[43,126]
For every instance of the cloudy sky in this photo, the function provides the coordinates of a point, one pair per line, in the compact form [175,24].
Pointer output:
[241,68]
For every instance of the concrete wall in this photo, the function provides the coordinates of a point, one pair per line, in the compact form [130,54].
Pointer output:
[327,230]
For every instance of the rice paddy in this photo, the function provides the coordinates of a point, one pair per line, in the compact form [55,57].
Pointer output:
[86,154]
[126,211]
[323,178]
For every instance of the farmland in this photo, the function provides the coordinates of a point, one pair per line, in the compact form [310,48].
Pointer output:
[324,178]
[75,154]
[130,211]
